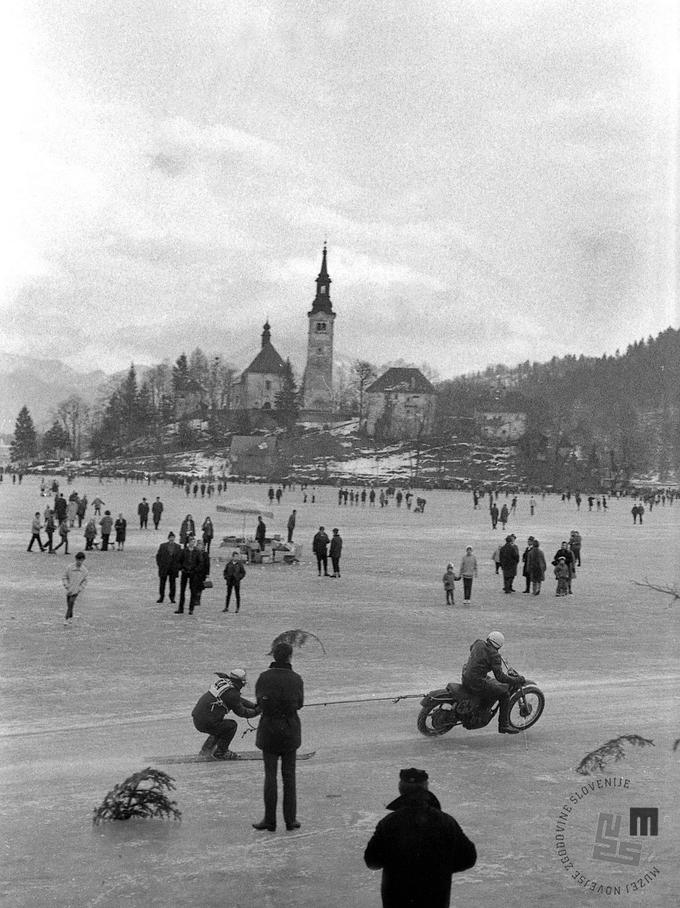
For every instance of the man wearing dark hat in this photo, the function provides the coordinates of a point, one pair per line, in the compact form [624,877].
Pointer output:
[279,693]
[169,561]
[418,847]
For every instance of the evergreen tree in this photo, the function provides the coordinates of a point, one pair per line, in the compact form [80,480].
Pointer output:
[180,375]
[288,398]
[55,440]
[24,445]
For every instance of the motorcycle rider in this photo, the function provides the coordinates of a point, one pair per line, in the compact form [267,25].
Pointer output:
[210,713]
[485,657]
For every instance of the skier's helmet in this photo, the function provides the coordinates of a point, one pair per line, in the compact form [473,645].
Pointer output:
[496,639]
[238,675]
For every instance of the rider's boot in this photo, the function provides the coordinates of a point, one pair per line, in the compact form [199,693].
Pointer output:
[504,726]
[208,746]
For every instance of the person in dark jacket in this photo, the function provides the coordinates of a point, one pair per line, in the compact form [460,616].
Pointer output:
[260,533]
[279,693]
[208,532]
[320,549]
[106,524]
[120,526]
[234,572]
[143,511]
[536,567]
[169,561]
[336,551]
[191,566]
[565,552]
[210,714]
[290,526]
[198,569]
[508,558]
[418,847]
[484,658]
[156,512]
[525,572]
[187,529]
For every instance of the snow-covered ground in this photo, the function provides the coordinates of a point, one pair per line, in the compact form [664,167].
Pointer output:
[85,707]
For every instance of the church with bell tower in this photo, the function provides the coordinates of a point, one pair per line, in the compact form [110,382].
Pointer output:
[317,383]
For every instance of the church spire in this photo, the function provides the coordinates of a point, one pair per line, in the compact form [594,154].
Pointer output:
[266,334]
[322,300]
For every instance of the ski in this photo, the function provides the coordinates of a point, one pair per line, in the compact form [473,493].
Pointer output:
[198,758]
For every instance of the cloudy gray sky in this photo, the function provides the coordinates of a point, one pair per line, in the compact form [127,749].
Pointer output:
[496,180]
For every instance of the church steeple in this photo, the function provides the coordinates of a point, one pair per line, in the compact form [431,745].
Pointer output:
[266,334]
[322,300]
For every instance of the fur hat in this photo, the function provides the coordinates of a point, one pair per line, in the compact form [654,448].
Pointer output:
[413,775]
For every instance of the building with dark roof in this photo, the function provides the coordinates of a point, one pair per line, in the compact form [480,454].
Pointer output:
[260,382]
[400,404]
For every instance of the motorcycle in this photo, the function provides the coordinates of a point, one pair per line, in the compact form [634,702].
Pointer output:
[454,704]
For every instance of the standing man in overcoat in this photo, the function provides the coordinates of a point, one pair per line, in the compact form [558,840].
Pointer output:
[320,549]
[279,694]
[169,561]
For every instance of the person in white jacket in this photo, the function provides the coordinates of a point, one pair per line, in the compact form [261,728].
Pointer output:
[468,570]
[75,581]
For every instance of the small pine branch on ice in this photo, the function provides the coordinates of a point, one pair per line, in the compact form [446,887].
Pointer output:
[612,750]
[140,795]
[296,638]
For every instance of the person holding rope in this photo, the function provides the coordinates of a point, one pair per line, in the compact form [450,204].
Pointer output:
[210,714]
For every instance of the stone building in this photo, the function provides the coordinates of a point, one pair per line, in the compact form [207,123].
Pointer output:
[400,404]
[317,382]
[260,382]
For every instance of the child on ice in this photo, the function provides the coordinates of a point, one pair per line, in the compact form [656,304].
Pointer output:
[448,580]
[562,575]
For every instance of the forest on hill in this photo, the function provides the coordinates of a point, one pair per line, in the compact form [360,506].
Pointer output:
[588,421]
[610,417]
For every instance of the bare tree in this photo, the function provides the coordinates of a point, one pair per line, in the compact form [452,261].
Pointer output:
[73,413]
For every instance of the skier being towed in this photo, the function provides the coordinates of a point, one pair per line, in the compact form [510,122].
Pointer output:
[210,714]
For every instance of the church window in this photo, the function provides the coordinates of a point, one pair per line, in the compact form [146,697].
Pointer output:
[319,350]
[323,291]
[321,326]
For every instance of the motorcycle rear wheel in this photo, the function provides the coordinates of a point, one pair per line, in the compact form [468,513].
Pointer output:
[436,719]
[529,698]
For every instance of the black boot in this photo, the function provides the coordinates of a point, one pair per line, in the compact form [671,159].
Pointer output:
[263,824]
[208,746]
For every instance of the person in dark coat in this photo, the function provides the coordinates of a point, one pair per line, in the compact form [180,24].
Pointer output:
[336,551]
[260,533]
[187,565]
[169,561]
[187,529]
[120,526]
[493,512]
[210,714]
[291,525]
[143,511]
[536,567]
[156,512]
[565,552]
[234,572]
[525,572]
[320,549]
[280,694]
[508,558]
[198,569]
[418,847]
[208,532]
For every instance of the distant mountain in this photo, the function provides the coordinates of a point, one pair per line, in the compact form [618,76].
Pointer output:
[42,384]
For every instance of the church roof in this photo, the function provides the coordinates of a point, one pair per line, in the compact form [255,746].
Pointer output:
[267,361]
[403,380]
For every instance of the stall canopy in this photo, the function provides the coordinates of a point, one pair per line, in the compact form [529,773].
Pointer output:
[245,507]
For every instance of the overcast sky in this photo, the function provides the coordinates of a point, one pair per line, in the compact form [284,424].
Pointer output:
[495,180]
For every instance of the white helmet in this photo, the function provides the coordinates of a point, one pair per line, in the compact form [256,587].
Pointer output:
[496,639]
[238,675]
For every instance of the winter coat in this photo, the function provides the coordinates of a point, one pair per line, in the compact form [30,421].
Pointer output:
[448,579]
[106,523]
[90,531]
[561,571]
[143,508]
[234,570]
[336,547]
[196,563]
[568,556]
[280,694]
[418,847]
[484,658]
[74,579]
[261,532]
[222,697]
[208,529]
[157,509]
[120,527]
[169,559]
[319,543]
[188,528]
[508,558]
[468,566]
[535,565]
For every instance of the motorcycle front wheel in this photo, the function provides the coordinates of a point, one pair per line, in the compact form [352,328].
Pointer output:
[436,719]
[526,707]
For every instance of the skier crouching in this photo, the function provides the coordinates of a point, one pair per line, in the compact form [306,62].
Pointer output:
[210,714]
